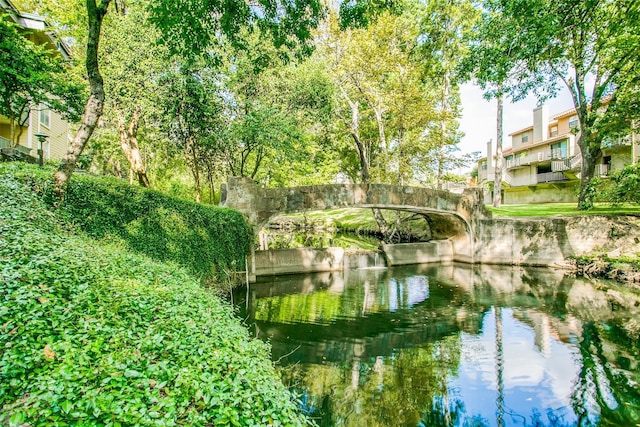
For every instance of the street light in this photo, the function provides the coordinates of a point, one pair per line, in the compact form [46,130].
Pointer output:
[42,137]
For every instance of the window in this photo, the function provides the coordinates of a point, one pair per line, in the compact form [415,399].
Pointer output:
[559,150]
[483,165]
[525,138]
[553,131]
[573,122]
[45,116]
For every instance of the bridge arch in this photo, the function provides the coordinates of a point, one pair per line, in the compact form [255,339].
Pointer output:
[450,215]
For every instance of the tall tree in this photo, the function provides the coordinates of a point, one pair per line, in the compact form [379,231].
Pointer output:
[193,114]
[444,24]
[189,27]
[492,60]
[132,63]
[387,102]
[95,104]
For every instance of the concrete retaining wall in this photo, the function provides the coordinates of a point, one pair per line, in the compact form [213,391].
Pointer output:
[418,253]
[292,261]
[531,241]
[550,241]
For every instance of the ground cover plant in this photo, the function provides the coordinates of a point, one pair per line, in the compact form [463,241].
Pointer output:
[93,334]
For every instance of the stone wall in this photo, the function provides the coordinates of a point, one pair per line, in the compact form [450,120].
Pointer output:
[260,204]
[550,241]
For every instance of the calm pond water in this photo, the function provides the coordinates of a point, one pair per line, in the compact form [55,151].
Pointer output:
[451,345]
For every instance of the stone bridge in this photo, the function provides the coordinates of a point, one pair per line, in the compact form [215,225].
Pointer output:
[450,216]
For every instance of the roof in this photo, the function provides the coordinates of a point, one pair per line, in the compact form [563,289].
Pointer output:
[521,130]
[566,113]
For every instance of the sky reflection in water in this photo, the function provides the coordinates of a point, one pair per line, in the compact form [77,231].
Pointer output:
[449,345]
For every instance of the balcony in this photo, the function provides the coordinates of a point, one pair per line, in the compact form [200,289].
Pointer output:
[4,142]
[551,177]
[609,142]
[513,163]
[560,165]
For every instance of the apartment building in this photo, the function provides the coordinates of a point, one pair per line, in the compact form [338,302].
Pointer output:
[543,163]
[41,120]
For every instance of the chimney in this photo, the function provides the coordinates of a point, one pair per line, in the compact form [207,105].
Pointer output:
[540,123]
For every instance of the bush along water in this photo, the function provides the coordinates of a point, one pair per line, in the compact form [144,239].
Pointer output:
[92,334]
[208,241]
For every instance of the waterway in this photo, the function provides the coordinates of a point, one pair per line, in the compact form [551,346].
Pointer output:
[452,345]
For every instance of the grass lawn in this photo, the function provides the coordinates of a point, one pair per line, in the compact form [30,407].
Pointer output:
[563,209]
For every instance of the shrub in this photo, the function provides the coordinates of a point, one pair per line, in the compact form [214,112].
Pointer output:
[625,185]
[91,334]
[208,240]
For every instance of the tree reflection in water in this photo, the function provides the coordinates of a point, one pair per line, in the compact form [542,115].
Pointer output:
[451,346]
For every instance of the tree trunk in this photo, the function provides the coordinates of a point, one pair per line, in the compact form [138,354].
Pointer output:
[212,188]
[587,170]
[195,169]
[497,183]
[129,144]
[95,103]
[443,129]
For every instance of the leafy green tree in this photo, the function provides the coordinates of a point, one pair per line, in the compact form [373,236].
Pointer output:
[133,63]
[193,118]
[189,28]
[492,60]
[444,24]
[387,100]
[31,75]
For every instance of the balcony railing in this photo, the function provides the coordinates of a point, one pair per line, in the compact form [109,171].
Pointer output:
[551,177]
[616,142]
[560,165]
[513,163]
[576,162]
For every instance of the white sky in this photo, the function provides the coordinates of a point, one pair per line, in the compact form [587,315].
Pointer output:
[478,120]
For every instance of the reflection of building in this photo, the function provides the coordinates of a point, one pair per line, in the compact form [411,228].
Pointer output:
[543,163]
[40,118]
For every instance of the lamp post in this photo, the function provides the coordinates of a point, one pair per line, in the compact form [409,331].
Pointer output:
[42,137]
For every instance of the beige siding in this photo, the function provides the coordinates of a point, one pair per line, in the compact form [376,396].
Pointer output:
[58,131]
[59,139]
[516,139]
[5,132]
[563,125]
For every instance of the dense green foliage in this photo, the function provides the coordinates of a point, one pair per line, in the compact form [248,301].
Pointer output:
[625,185]
[208,241]
[92,334]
